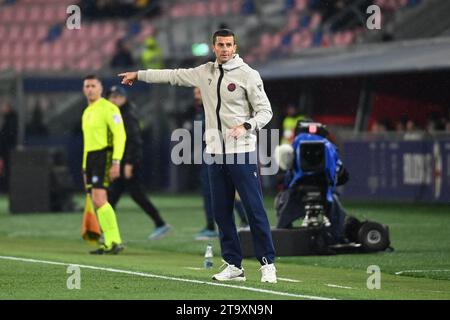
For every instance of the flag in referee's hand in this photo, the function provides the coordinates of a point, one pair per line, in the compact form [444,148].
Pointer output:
[90,229]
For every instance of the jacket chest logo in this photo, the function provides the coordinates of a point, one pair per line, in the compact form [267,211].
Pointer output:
[209,81]
[231,87]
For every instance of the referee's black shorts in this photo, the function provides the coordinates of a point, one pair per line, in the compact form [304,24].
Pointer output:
[98,164]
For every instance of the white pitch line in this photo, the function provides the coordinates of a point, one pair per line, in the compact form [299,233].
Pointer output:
[419,271]
[194,268]
[149,275]
[288,280]
[336,286]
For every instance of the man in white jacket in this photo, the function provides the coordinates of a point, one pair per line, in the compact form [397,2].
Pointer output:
[235,107]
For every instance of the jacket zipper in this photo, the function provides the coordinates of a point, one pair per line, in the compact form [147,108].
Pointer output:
[219,103]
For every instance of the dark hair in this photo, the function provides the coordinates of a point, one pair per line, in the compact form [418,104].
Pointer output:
[223,33]
[91,77]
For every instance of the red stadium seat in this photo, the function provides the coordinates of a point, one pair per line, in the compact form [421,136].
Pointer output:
[44,50]
[5,51]
[14,32]
[57,49]
[35,13]
[70,49]
[31,49]
[82,65]
[199,9]
[41,32]
[49,14]
[3,32]
[7,15]
[300,5]
[57,65]
[109,47]
[19,65]
[20,13]
[82,48]
[31,64]
[4,65]
[96,65]
[60,13]
[18,50]
[29,33]
[44,64]
[316,20]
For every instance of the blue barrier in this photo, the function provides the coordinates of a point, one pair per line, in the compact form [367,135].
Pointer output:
[384,169]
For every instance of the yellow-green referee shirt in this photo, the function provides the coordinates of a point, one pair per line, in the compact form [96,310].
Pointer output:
[103,127]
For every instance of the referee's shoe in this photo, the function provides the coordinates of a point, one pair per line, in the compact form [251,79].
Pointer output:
[115,249]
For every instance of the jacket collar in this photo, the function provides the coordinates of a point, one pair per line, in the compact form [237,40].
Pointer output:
[231,64]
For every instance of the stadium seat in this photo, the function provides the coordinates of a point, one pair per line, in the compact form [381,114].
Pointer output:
[109,47]
[7,15]
[18,50]
[305,21]
[179,10]
[4,65]
[96,65]
[70,49]
[50,14]
[292,22]
[56,49]
[57,64]
[286,39]
[20,13]
[199,9]
[35,13]
[14,32]
[31,49]
[28,32]
[4,51]
[31,64]
[44,50]
[82,65]
[235,7]
[316,20]
[317,38]
[3,32]
[60,12]
[40,32]
[296,41]
[300,5]
[19,65]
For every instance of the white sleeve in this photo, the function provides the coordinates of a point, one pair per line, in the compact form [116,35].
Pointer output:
[259,101]
[180,77]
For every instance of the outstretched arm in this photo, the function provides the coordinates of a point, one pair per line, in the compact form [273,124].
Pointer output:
[181,77]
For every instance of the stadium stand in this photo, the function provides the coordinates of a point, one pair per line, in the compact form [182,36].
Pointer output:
[35,38]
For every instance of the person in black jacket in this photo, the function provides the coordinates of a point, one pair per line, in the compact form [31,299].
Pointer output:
[130,177]
[8,141]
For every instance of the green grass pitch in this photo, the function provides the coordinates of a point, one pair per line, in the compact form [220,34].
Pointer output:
[171,268]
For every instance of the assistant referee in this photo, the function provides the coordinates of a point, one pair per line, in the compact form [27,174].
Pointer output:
[104,140]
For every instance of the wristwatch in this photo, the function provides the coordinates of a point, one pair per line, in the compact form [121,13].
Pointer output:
[116,162]
[247,126]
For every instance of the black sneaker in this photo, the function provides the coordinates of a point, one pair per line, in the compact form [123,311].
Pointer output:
[115,249]
[98,251]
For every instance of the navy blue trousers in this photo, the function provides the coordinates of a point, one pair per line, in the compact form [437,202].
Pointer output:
[225,179]
[207,205]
